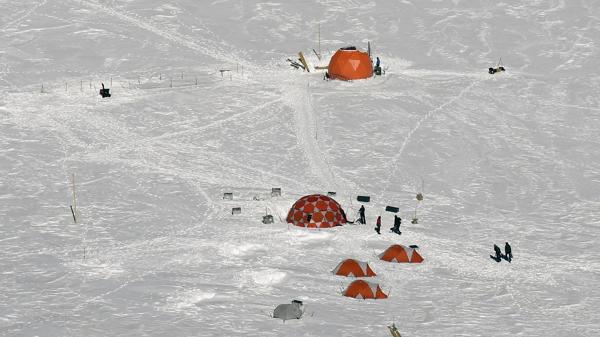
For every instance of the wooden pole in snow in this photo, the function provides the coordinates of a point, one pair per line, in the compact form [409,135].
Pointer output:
[319,41]
[73,213]
[74,207]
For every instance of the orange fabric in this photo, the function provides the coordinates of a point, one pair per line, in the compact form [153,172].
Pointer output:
[398,253]
[416,258]
[360,288]
[370,271]
[351,266]
[325,212]
[350,65]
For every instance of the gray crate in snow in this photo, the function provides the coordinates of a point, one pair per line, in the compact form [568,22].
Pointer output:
[276,192]
[267,219]
[236,210]
[295,310]
[227,196]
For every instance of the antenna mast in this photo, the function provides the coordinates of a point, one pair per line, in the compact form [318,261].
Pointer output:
[319,40]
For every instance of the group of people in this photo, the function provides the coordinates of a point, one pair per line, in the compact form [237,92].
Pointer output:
[508,256]
[362,220]
[499,256]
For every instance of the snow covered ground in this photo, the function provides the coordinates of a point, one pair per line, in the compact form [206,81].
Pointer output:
[513,157]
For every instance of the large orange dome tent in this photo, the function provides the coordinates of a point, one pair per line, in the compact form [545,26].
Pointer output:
[316,211]
[350,64]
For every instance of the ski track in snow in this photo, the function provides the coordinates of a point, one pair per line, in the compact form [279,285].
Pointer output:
[25,16]
[415,128]
[298,99]
[204,47]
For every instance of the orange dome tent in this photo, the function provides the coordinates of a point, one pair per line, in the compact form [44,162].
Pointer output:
[401,254]
[350,64]
[364,290]
[353,268]
[316,211]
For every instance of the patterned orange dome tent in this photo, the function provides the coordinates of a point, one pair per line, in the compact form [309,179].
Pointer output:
[363,289]
[401,254]
[353,268]
[316,211]
[350,64]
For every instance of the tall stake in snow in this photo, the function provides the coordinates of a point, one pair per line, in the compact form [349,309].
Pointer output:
[419,199]
[74,206]
[319,41]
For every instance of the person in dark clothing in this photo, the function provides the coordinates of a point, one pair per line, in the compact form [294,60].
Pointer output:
[507,252]
[498,252]
[308,218]
[361,211]
[397,222]
[377,68]
[378,225]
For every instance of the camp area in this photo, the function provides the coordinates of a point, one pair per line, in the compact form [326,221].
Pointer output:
[299,168]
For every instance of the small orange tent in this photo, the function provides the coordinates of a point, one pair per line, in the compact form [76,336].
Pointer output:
[401,254]
[350,64]
[353,268]
[316,211]
[364,290]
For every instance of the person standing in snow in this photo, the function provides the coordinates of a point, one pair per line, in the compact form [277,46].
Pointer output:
[397,222]
[507,252]
[378,225]
[498,252]
[361,211]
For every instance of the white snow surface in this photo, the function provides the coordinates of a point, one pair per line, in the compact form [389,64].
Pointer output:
[511,157]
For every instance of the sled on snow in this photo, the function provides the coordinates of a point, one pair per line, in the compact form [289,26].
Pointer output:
[497,69]
[393,330]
